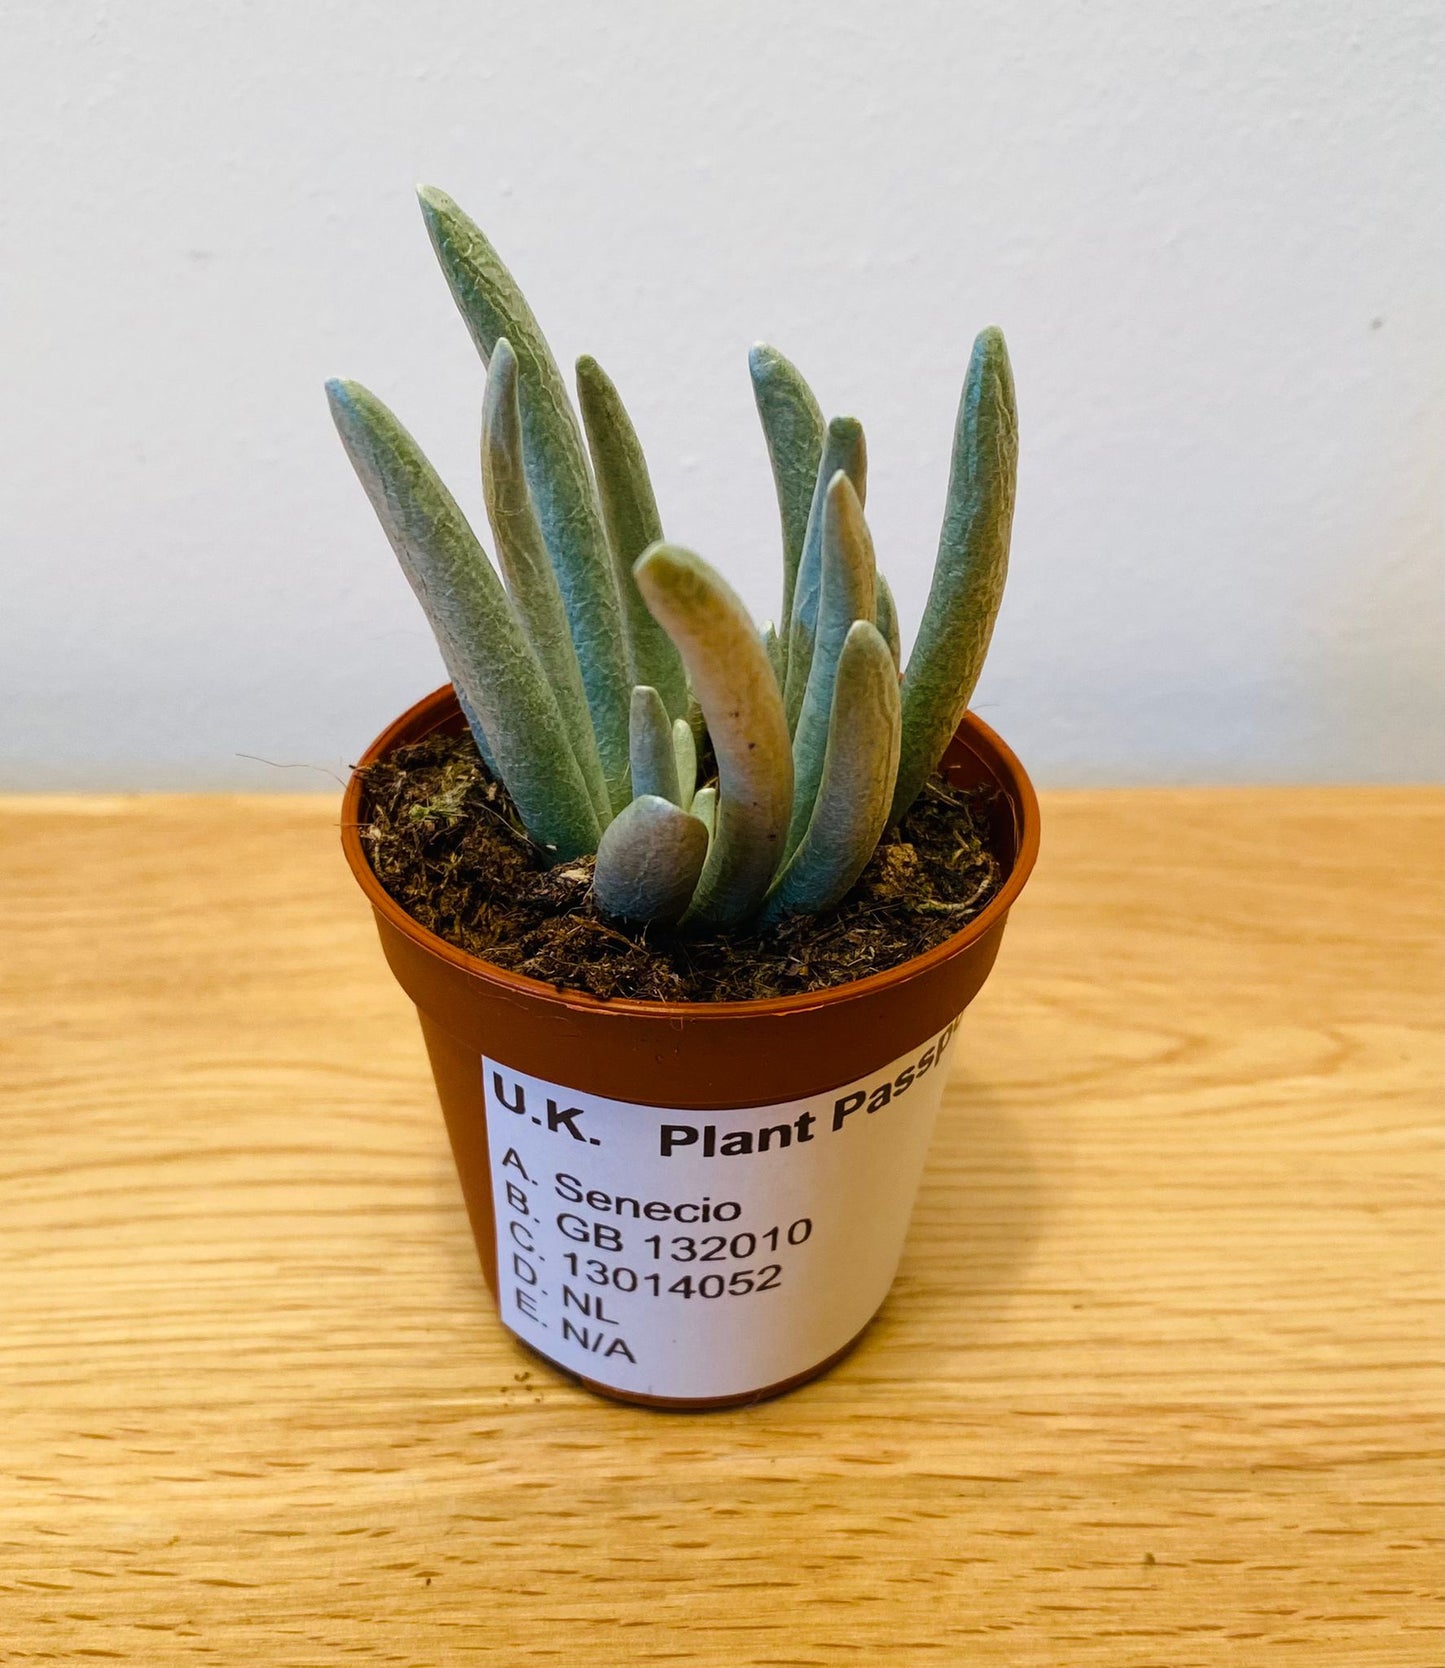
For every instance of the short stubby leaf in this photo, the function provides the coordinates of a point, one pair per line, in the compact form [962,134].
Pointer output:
[649,861]
[654,760]
[684,754]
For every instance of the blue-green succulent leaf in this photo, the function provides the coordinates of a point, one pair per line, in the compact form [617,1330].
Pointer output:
[969,574]
[798,662]
[629,512]
[684,753]
[498,677]
[649,861]
[843,448]
[654,762]
[704,808]
[492,307]
[793,428]
[531,582]
[886,619]
[851,809]
[777,658]
[849,593]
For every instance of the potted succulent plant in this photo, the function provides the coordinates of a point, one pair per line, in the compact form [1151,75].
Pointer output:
[697,1202]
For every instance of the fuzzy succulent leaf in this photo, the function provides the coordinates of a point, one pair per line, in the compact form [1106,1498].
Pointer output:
[793,427]
[629,513]
[704,808]
[684,753]
[493,307]
[474,723]
[777,658]
[843,448]
[886,618]
[531,582]
[969,573]
[856,790]
[654,762]
[797,662]
[849,593]
[498,676]
[729,673]
[649,861]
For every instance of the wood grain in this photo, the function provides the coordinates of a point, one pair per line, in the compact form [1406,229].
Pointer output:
[1159,1384]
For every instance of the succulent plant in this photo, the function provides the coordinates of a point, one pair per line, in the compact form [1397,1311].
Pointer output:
[590,667]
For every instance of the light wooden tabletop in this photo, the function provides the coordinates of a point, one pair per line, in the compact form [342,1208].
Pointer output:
[1159,1383]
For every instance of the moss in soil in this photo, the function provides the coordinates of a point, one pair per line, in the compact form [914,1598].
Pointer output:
[445,842]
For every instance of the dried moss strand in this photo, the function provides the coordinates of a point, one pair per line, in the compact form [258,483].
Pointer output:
[531,582]
[629,513]
[557,471]
[969,573]
[497,674]
[734,684]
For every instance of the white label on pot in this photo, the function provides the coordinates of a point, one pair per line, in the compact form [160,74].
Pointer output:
[693,1254]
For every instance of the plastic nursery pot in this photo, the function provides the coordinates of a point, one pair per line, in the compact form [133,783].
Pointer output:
[692,1205]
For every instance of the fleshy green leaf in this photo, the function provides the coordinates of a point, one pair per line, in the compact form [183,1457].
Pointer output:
[777,659]
[797,662]
[649,861]
[704,808]
[557,471]
[654,763]
[793,428]
[843,448]
[849,594]
[728,669]
[532,584]
[886,619]
[851,810]
[629,512]
[684,752]
[969,574]
[498,677]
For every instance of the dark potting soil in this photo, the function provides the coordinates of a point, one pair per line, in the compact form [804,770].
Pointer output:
[445,842]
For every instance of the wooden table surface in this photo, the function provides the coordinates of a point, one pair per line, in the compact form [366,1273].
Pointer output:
[1159,1384]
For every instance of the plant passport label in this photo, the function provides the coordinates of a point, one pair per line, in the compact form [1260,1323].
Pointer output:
[697,1254]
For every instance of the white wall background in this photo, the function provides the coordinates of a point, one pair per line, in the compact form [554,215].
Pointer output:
[1211,230]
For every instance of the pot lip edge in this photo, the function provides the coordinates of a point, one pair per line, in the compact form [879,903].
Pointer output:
[519,985]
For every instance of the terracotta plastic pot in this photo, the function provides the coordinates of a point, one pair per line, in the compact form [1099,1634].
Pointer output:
[664,1258]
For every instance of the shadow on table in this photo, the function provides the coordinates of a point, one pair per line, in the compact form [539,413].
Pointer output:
[981,1211]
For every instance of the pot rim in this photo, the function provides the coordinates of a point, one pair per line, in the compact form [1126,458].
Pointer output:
[1019,787]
